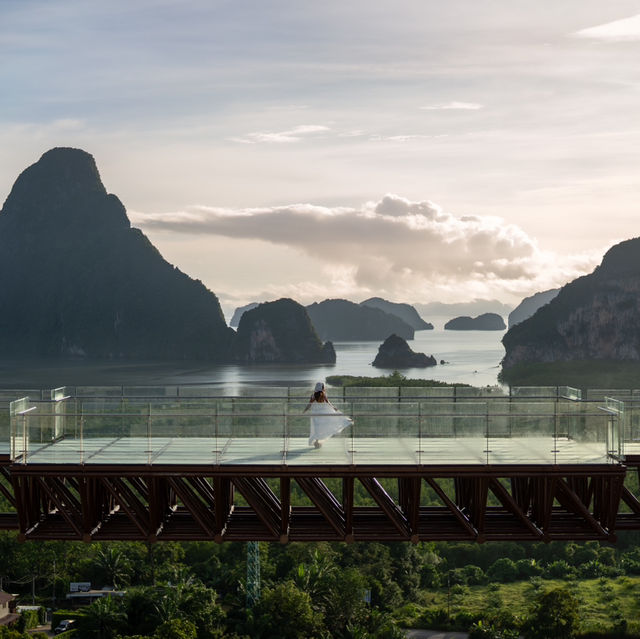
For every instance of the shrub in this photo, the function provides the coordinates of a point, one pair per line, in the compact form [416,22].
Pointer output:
[559,570]
[503,570]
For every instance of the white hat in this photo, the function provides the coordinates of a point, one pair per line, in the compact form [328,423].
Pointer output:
[319,387]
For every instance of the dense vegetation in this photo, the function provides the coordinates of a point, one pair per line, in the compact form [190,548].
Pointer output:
[394,379]
[197,590]
[578,374]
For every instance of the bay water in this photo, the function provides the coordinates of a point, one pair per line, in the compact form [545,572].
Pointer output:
[472,357]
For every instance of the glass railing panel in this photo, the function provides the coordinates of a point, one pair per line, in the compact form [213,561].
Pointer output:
[453,432]
[275,392]
[183,431]
[19,427]
[112,431]
[6,397]
[298,393]
[200,390]
[258,432]
[632,424]
[98,391]
[150,391]
[530,392]
[385,432]
[463,392]
[576,435]
[568,392]
[371,392]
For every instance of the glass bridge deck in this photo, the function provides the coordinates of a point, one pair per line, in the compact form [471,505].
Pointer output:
[267,427]
[337,451]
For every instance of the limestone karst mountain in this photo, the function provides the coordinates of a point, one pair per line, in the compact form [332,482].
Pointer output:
[595,317]
[280,331]
[77,280]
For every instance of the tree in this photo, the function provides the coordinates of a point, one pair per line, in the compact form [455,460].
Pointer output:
[285,612]
[554,616]
[113,565]
[503,570]
[175,629]
[103,619]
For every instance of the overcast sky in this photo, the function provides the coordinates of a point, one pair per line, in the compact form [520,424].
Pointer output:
[417,150]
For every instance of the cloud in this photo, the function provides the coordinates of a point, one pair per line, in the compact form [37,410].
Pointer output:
[395,245]
[627,29]
[453,106]
[279,137]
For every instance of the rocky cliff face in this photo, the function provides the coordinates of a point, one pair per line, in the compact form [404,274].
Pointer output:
[77,281]
[280,331]
[595,317]
[395,353]
[341,320]
[405,312]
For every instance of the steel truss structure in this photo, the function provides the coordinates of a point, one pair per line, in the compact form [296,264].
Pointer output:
[474,504]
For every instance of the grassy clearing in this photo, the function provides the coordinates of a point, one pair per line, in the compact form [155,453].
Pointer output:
[602,601]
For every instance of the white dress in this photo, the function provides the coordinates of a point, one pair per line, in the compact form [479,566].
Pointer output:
[326,421]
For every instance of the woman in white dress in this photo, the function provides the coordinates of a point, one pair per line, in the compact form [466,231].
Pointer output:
[326,419]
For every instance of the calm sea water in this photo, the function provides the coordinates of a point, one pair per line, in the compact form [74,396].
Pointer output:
[473,357]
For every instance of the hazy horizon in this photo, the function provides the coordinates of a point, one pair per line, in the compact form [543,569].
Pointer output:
[418,152]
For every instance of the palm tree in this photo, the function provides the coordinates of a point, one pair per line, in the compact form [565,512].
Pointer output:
[113,564]
[103,619]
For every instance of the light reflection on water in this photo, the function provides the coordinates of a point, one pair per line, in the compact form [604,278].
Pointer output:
[473,356]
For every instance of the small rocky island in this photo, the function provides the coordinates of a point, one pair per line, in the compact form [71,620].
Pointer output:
[484,322]
[280,331]
[394,352]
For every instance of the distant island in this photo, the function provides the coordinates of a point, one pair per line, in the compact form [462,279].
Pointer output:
[484,322]
[395,353]
[405,312]
[455,309]
[343,321]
